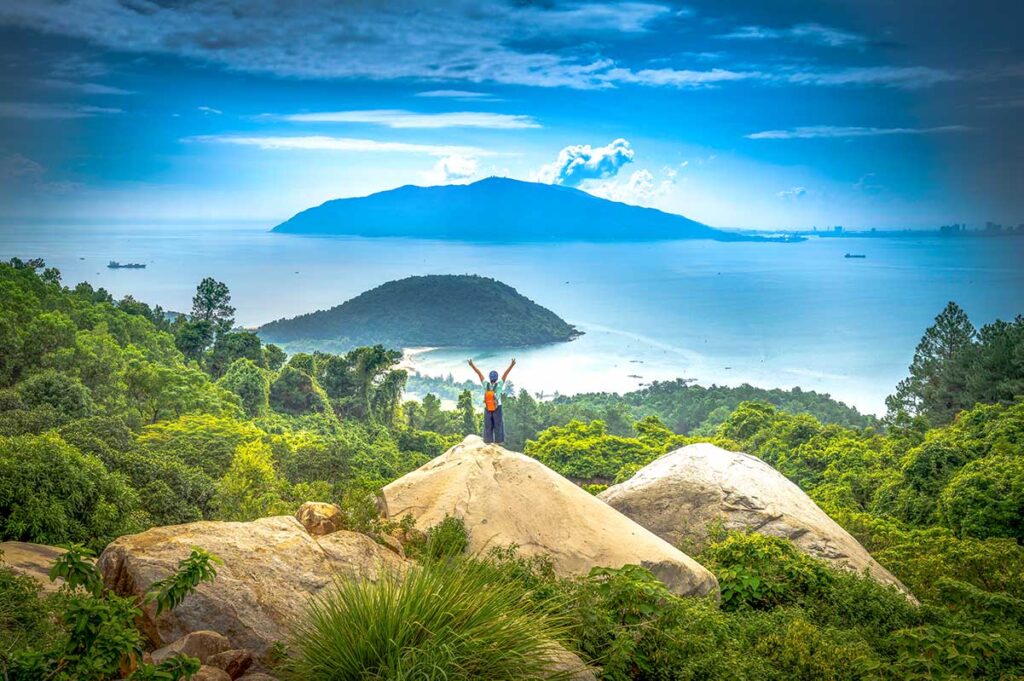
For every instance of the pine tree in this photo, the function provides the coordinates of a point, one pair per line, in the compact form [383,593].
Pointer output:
[212,303]
[466,414]
[937,387]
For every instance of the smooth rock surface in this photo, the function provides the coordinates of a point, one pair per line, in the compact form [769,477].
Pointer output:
[568,666]
[507,498]
[32,560]
[207,673]
[320,518]
[234,662]
[681,494]
[199,644]
[272,566]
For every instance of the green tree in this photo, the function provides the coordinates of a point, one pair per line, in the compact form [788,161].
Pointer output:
[251,384]
[64,393]
[434,418]
[192,337]
[295,392]
[986,499]
[212,304]
[467,416]
[251,488]
[230,347]
[273,357]
[937,385]
[51,493]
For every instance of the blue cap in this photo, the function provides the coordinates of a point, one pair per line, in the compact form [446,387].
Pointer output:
[493,376]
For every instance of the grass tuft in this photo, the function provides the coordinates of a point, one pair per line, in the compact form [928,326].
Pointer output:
[442,620]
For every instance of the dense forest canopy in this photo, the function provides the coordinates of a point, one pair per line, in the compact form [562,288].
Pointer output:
[114,419]
[427,311]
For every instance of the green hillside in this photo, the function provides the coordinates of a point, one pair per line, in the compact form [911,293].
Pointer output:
[434,311]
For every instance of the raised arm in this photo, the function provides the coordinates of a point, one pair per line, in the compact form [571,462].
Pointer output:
[479,373]
[509,370]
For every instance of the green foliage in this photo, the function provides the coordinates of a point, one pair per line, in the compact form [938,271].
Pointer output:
[169,592]
[252,385]
[587,452]
[428,311]
[26,618]
[761,572]
[447,539]
[441,620]
[956,367]
[231,347]
[250,488]
[986,499]
[51,493]
[212,304]
[99,640]
[295,392]
[202,441]
[65,394]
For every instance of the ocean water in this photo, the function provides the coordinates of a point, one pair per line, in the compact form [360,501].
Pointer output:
[773,315]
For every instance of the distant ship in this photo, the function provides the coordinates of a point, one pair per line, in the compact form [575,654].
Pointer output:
[855,255]
[115,265]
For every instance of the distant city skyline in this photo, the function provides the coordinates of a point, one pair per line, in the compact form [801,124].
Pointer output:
[739,114]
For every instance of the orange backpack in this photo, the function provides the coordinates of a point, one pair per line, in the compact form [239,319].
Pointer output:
[490,398]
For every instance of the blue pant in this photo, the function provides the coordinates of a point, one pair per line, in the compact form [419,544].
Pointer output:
[494,426]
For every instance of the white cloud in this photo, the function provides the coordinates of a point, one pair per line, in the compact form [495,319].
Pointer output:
[351,144]
[679,78]
[397,118]
[792,193]
[39,111]
[641,189]
[582,162]
[462,41]
[908,77]
[624,17]
[209,110]
[833,131]
[457,94]
[818,34]
[83,87]
[453,170]
[21,175]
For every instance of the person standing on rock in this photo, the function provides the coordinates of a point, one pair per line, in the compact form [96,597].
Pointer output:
[494,425]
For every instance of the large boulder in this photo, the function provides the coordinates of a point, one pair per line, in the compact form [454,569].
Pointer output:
[683,493]
[272,566]
[507,498]
[32,560]
[320,518]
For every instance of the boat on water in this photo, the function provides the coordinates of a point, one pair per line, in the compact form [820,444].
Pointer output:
[115,265]
[855,255]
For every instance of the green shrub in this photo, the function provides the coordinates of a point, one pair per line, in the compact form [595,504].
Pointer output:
[99,640]
[441,620]
[447,539]
[761,572]
[51,493]
[25,617]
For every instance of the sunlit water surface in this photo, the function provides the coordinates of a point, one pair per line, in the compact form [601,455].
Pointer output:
[774,315]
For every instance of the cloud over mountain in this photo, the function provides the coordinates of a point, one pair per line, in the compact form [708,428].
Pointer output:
[581,162]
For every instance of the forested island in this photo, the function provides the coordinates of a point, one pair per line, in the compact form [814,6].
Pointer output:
[427,311]
[115,420]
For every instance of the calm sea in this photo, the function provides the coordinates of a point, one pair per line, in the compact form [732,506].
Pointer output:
[773,315]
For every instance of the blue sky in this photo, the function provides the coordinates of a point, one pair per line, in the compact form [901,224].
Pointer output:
[738,113]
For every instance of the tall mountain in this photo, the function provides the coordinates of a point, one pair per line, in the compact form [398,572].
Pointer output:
[430,311]
[497,210]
